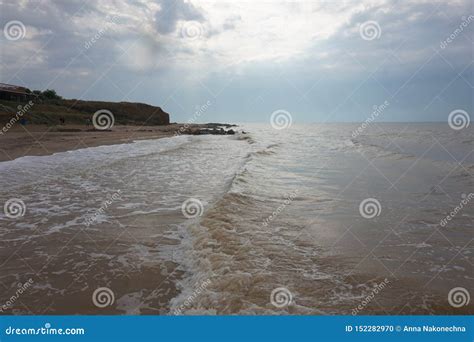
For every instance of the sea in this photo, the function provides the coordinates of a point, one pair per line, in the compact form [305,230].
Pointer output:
[314,219]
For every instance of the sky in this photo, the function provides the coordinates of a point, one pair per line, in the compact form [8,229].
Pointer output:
[321,61]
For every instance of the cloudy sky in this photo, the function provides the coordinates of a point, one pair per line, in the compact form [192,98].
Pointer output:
[321,61]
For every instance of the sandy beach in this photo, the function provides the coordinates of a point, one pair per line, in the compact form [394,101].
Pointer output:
[38,140]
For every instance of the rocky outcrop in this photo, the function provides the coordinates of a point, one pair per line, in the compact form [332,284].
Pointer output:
[208,130]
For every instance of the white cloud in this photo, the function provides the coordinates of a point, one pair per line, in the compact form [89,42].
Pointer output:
[181,45]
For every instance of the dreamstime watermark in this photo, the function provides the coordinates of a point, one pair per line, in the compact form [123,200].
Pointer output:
[281,297]
[465,23]
[103,30]
[281,119]
[191,298]
[465,200]
[370,296]
[105,205]
[377,110]
[459,119]
[14,30]
[288,200]
[192,30]
[103,297]
[192,208]
[46,330]
[200,110]
[11,301]
[370,208]
[22,110]
[458,297]
[14,208]
[370,30]
[103,119]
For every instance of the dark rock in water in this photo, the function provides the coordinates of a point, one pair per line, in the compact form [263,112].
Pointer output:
[215,125]
[209,129]
[213,131]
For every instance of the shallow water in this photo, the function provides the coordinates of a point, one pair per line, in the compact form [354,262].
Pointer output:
[279,209]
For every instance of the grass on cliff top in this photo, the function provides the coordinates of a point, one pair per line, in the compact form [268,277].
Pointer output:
[79,112]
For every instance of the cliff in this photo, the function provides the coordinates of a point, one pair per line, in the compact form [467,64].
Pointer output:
[79,112]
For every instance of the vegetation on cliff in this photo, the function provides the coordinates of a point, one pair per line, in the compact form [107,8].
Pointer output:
[51,109]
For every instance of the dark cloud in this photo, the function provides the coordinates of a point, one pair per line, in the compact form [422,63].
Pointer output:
[173,11]
[231,22]
[142,44]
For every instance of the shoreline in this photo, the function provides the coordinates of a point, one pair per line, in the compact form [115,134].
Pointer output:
[41,140]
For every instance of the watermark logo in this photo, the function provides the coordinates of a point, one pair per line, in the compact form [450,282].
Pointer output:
[14,208]
[377,110]
[192,30]
[105,205]
[190,299]
[370,296]
[370,208]
[465,23]
[103,297]
[103,119]
[465,200]
[22,110]
[108,24]
[458,297]
[21,289]
[281,119]
[14,30]
[46,330]
[370,30]
[200,110]
[459,119]
[281,297]
[192,208]
[274,214]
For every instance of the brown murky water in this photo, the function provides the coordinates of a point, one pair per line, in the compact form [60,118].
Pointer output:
[273,223]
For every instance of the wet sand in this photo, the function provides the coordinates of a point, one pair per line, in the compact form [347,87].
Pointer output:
[74,263]
[272,212]
[38,140]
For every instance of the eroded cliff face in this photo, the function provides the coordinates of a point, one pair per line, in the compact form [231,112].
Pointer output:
[124,112]
[80,112]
